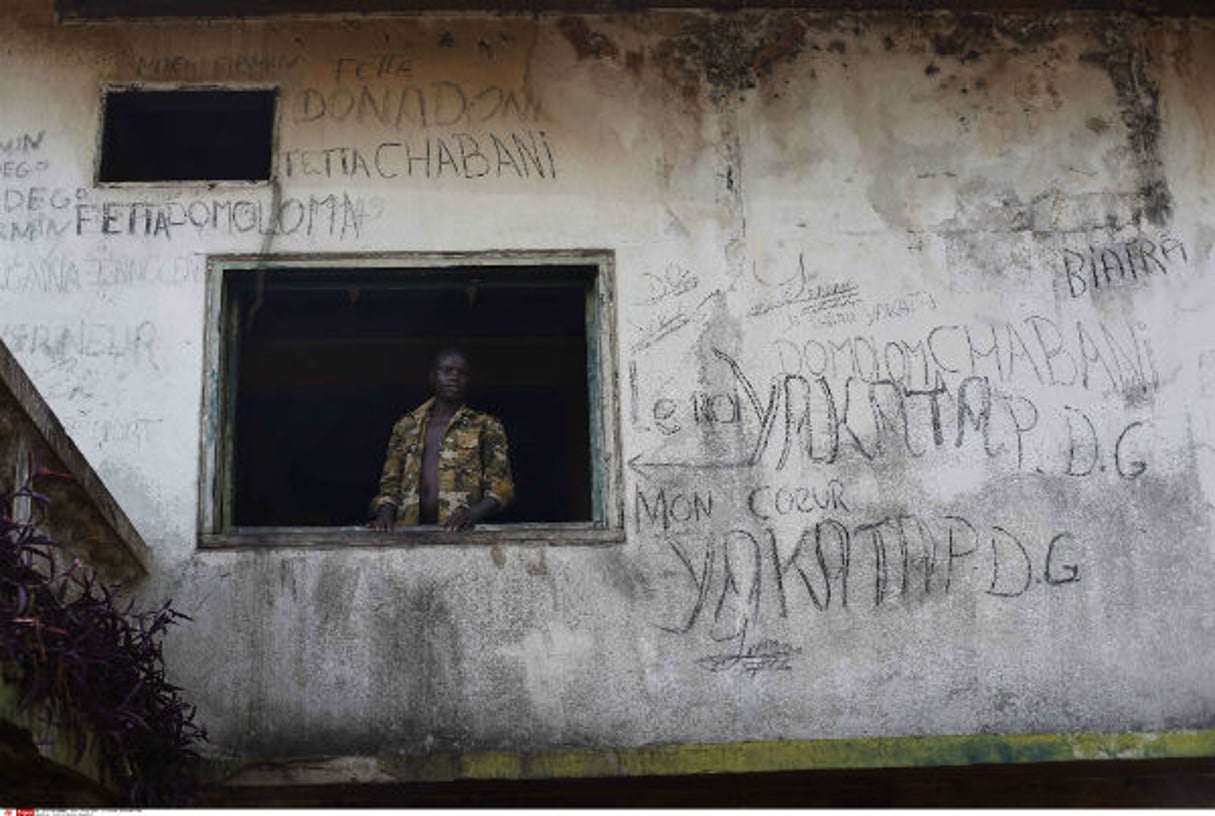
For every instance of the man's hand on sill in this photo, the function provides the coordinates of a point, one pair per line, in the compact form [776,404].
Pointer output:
[464,518]
[385,518]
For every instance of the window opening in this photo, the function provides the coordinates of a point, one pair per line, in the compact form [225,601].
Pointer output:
[187,135]
[319,363]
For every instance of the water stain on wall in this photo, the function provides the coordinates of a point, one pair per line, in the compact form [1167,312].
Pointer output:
[1126,60]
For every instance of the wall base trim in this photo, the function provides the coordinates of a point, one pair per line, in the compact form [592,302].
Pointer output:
[715,758]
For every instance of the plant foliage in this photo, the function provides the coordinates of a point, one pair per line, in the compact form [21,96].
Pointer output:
[90,662]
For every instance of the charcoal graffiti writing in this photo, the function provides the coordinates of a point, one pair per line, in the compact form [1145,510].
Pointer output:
[768,502]
[517,154]
[18,169]
[716,408]
[822,297]
[799,290]
[702,408]
[59,343]
[114,272]
[1122,262]
[103,433]
[37,199]
[904,306]
[672,282]
[441,103]
[36,212]
[736,580]
[222,66]
[58,274]
[339,216]
[1105,355]
[379,66]
[22,143]
[45,275]
[766,655]
[661,327]
[668,319]
[39,212]
[659,510]
[828,308]
[802,419]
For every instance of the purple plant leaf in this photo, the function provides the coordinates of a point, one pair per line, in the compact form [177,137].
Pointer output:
[96,663]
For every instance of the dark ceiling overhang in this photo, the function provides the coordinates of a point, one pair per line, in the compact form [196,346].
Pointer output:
[84,10]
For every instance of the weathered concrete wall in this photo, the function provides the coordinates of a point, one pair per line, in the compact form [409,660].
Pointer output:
[901,460]
[80,513]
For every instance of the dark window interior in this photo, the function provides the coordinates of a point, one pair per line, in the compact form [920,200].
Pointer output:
[187,136]
[326,361]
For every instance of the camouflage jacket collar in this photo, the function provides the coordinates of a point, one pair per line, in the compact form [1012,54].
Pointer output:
[422,414]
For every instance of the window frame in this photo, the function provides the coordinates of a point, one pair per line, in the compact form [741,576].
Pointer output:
[217,417]
[156,86]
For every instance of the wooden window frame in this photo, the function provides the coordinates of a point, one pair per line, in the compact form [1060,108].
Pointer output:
[216,480]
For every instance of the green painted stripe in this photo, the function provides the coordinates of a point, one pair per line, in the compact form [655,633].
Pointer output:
[785,755]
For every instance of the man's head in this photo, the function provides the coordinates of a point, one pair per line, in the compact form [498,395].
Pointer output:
[449,374]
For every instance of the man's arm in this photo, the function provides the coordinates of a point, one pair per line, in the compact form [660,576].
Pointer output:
[466,517]
[385,502]
[496,480]
[497,486]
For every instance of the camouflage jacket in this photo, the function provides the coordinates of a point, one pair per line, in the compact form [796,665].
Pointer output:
[473,464]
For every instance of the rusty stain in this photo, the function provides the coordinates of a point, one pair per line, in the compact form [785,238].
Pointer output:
[498,555]
[1096,124]
[587,43]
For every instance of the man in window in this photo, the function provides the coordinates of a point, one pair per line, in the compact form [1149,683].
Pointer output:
[447,464]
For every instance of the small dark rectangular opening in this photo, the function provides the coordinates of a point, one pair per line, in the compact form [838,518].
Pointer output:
[187,135]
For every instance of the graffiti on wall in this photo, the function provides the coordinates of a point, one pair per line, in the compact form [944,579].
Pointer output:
[233,65]
[34,213]
[757,491]
[407,128]
[516,154]
[64,273]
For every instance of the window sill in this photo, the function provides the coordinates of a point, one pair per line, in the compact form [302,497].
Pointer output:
[585,534]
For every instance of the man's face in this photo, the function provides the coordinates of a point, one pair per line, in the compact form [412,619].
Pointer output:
[451,378]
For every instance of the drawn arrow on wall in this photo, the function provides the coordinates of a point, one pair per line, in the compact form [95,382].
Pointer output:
[639,467]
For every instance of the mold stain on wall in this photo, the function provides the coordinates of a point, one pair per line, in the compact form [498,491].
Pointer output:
[1127,62]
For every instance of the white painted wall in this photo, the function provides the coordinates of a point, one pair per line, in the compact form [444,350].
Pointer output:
[782,193]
